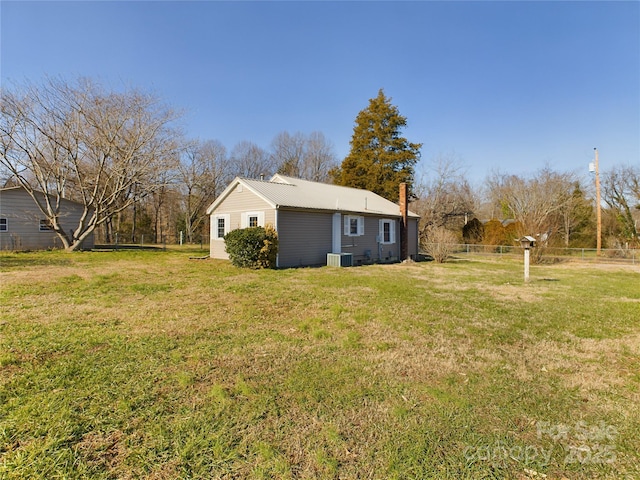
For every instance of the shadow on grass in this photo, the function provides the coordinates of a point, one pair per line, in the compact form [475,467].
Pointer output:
[31,259]
[111,248]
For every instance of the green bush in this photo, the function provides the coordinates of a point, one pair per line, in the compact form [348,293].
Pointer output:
[254,247]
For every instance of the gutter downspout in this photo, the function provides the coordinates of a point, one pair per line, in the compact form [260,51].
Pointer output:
[277,231]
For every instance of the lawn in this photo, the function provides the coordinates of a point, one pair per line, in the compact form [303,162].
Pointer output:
[153,365]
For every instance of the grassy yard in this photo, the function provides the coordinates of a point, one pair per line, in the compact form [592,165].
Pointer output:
[151,365]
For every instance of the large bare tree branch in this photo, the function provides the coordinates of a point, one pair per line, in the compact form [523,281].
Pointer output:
[536,203]
[78,141]
[203,173]
[621,192]
[445,197]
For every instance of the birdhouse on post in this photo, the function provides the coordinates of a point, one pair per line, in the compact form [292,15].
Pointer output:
[527,243]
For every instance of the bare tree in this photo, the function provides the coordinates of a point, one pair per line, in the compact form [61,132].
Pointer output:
[446,198]
[203,174]
[78,141]
[250,161]
[621,193]
[159,199]
[319,158]
[309,158]
[535,203]
[439,243]
[287,152]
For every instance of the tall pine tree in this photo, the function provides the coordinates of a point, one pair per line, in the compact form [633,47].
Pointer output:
[380,158]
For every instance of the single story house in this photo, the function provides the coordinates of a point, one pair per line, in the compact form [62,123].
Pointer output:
[314,219]
[24,227]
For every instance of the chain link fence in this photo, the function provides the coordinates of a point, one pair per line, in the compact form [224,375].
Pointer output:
[545,254]
[149,241]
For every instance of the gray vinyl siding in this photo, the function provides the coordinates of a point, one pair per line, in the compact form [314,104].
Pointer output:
[23,222]
[238,202]
[365,248]
[304,238]
[413,237]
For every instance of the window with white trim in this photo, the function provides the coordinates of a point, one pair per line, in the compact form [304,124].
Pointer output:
[4,225]
[387,233]
[252,219]
[220,226]
[353,225]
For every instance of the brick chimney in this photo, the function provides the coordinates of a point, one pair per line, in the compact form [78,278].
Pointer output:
[404,213]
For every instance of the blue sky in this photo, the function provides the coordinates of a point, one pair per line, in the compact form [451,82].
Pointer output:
[507,86]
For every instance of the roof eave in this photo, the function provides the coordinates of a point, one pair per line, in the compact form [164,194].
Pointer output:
[346,212]
[225,193]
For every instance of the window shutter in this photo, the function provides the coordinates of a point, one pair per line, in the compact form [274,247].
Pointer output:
[360,225]
[381,230]
[392,231]
[346,225]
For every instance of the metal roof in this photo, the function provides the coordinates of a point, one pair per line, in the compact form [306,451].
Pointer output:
[289,192]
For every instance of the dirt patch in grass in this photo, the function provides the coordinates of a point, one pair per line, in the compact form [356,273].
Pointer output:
[426,359]
[43,274]
[515,293]
[603,267]
[586,364]
[103,451]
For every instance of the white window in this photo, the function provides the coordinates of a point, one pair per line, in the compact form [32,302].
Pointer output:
[252,219]
[220,226]
[4,225]
[353,226]
[387,233]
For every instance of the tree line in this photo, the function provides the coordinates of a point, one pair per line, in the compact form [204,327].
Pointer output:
[121,155]
[557,208]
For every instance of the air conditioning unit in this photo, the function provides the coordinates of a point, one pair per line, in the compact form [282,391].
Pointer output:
[340,259]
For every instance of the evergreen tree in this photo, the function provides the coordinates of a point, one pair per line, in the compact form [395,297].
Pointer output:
[578,220]
[380,158]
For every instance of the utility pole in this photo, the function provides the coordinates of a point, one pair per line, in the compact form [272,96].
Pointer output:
[598,207]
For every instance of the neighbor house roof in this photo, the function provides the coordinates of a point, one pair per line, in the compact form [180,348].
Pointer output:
[289,192]
[38,192]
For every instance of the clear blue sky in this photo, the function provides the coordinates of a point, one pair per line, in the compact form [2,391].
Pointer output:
[512,86]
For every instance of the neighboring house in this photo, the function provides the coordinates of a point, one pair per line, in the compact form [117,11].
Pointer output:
[314,219]
[24,227]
